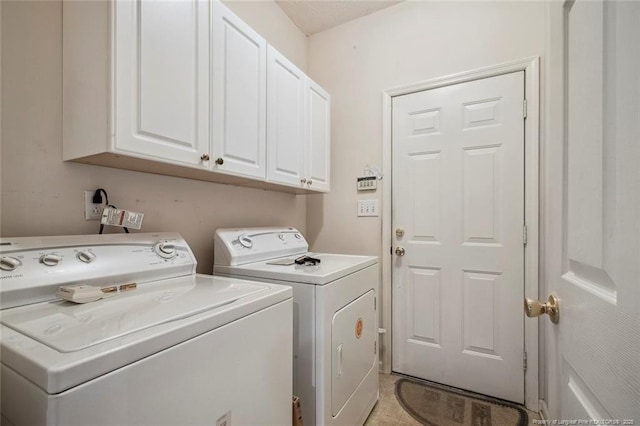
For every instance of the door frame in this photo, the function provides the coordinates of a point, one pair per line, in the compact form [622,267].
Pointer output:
[531,210]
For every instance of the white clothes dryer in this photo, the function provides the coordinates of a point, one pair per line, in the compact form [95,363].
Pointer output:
[161,346]
[335,317]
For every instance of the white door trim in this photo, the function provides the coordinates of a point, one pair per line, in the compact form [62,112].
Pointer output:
[531,68]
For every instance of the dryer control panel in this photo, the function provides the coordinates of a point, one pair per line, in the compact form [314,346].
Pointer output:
[240,246]
[33,268]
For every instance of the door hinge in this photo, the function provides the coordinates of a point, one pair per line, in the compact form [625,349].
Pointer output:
[391,250]
[524,108]
[524,361]
[524,235]
[375,347]
[375,304]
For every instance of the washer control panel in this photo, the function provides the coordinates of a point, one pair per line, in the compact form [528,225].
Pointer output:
[33,268]
[246,245]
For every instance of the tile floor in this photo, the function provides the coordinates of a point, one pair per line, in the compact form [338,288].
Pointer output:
[389,412]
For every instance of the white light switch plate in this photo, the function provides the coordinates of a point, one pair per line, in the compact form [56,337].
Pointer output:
[368,208]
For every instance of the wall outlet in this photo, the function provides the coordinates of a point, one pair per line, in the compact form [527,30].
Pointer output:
[368,208]
[91,211]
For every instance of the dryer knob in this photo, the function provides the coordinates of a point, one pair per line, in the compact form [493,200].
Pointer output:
[245,241]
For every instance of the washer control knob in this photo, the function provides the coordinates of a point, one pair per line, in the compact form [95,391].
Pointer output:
[165,249]
[50,259]
[8,263]
[245,241]
[86,256]
[298,236]
[281,236]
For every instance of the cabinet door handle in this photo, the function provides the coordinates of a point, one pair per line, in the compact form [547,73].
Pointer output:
[303,181]
[205,157]
[309,182]
[219,161]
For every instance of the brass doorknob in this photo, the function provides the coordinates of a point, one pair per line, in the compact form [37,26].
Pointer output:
[534,308]
[400,251]
[219,161]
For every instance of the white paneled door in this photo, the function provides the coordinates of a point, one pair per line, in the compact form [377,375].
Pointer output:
[594,246]
[457,218]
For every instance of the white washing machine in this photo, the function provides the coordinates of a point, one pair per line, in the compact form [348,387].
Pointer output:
[335,317]
[163,346]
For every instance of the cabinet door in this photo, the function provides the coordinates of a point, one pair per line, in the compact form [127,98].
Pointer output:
[161,79]
[285,120]
[239,78]
[318,138]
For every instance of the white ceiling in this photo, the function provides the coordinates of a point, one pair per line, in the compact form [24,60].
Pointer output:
[313,16]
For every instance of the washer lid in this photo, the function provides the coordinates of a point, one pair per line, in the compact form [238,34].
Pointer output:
[330,268]
[180,308]
[69,327]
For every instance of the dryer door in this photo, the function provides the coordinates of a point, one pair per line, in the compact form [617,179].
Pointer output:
[354,347]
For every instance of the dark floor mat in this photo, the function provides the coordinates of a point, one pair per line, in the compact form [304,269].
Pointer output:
[438,405]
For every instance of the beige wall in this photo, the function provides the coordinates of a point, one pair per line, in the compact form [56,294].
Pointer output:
[406,43]
[41,195]
[355,62]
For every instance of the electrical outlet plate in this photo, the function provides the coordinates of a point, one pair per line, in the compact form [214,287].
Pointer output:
[91,211]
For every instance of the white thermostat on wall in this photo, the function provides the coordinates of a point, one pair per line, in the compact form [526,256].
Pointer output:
[367,183]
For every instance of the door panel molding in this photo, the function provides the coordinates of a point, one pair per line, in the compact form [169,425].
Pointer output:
[429,122]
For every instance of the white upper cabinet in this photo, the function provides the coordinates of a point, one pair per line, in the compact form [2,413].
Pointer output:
[297,127]
[162,79]
[239,79]
[180,88]
[318,128]
[285,120]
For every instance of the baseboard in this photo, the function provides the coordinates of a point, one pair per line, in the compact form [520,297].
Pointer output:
[543,410]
